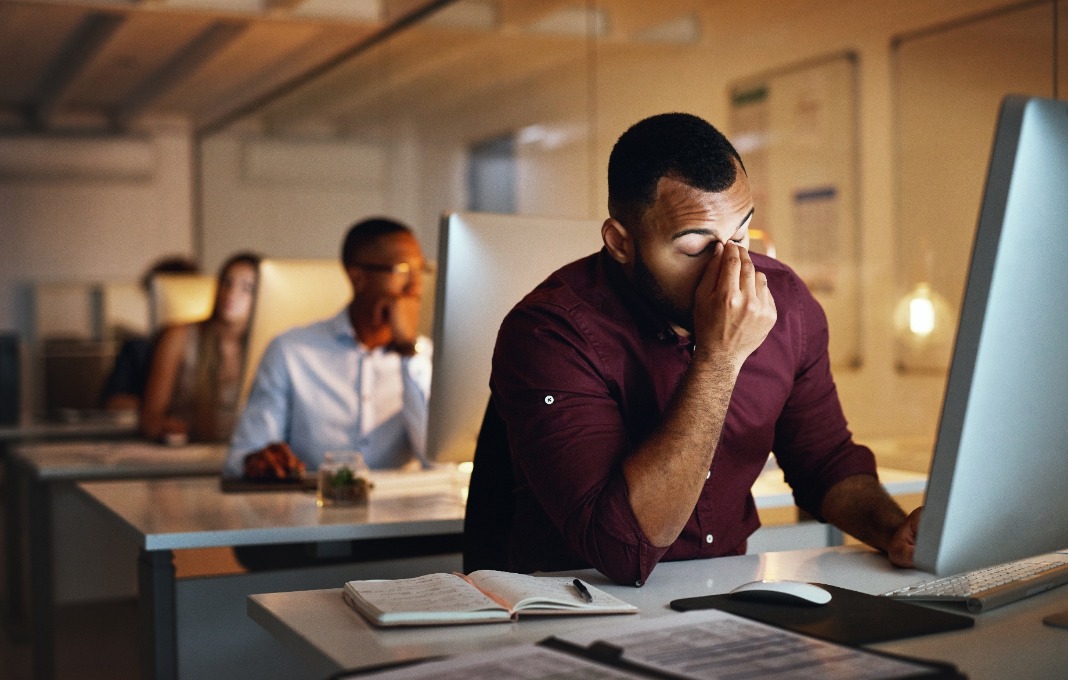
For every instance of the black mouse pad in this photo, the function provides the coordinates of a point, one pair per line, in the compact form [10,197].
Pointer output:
[246,485]
[850,618]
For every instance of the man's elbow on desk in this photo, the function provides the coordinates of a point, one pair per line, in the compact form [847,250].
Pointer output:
[625,557]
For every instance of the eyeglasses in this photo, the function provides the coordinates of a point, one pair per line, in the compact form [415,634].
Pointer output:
[400,269]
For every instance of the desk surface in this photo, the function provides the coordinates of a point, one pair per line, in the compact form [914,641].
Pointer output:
[174,514]
[171,514]
[44,429]
[1007,642]
[99,459]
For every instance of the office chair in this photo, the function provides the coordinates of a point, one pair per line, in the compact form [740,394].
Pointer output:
[490,505]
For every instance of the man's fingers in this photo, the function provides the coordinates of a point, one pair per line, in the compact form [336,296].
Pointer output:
[747,272]
[730,268]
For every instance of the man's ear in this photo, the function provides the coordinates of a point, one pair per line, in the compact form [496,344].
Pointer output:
[618,241]
[357,278]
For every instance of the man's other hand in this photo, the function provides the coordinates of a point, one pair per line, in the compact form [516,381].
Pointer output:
[274,462]
[903,543]
[402,315]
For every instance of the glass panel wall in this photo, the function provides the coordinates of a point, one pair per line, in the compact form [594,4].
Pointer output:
[515,105]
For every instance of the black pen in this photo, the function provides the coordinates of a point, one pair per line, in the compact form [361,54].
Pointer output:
[581,588]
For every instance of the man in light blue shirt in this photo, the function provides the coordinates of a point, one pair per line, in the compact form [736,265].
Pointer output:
[356,382]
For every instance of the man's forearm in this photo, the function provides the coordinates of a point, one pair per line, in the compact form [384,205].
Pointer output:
[666,474]
[862,508]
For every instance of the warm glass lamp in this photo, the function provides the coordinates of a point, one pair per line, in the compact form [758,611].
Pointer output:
[924,326]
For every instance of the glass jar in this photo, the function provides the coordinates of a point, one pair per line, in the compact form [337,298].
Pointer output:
[343,479]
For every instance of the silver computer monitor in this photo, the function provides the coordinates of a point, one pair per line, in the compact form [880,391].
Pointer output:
[1000,469]
[486,264]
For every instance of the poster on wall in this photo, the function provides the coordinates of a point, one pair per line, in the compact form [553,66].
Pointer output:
[796,130]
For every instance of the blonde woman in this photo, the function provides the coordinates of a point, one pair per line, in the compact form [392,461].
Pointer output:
[194,380]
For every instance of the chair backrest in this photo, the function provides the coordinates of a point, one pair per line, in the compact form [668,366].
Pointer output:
[180,298]
[490,503]
[291,293]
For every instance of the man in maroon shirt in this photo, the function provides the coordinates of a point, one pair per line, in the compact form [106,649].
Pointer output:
[642,388]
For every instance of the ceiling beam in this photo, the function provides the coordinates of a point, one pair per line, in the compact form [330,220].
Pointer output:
[77,51]
[423,8]
[185,63]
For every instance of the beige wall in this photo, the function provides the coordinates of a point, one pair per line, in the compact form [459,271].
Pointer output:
[90,210]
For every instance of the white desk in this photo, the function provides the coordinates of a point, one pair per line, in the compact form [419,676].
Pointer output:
[41,472]
[161,516]
[107,427]
[166,515]
[1009,642]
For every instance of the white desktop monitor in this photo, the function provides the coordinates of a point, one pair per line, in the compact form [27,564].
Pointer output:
[997,490]
[486,264]
[291,293]
[180,297]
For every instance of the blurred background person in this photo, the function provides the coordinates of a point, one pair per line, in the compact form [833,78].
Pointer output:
[359,381]
[195,376]
[125,385]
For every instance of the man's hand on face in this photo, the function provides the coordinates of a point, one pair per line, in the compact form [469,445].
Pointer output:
[401,314]
[274,462]
[733,309]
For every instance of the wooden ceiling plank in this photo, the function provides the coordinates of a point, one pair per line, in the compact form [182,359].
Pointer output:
[211,40]
[87,38]
[318,49]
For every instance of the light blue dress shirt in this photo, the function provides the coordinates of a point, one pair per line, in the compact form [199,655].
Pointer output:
[319,390]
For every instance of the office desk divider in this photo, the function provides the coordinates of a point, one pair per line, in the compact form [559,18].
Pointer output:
[851,617]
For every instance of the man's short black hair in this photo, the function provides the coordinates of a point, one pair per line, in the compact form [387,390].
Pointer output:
[677,145]
[365,233]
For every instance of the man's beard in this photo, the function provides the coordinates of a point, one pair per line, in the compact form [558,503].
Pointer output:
[654,295]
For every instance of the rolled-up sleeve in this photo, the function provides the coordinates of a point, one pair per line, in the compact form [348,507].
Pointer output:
[568,437]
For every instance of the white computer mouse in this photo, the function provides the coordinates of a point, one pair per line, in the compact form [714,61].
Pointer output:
[781,592]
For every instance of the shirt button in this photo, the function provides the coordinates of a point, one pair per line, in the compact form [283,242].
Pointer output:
[708,538]
[708,474]
[638,584]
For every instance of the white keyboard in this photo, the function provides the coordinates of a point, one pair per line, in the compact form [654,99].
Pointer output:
[992,587]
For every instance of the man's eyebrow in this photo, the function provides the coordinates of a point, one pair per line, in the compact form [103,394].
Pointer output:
[746,218]
[706,231]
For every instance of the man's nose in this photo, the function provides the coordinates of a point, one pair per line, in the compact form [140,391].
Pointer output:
[414,284]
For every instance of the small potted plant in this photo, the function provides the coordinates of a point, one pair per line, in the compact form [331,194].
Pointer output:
[343,480]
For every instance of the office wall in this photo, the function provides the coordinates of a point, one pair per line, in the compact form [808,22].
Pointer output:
[90,209]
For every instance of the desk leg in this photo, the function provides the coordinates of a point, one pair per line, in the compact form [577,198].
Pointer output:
[156,604]
[834,536]
[41,579]
[15,480]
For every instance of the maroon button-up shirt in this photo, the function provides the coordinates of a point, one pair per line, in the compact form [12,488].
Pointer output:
[582,374]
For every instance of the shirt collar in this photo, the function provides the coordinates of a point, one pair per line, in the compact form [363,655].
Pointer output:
[341,327]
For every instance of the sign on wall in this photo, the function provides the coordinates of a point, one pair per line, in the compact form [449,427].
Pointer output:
[796,130]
